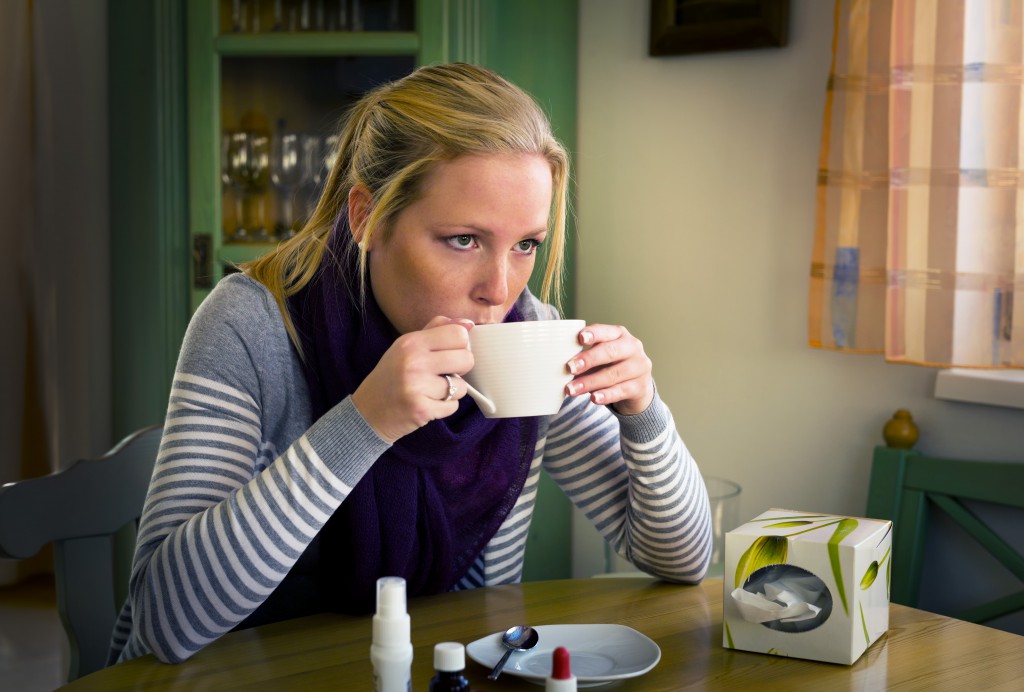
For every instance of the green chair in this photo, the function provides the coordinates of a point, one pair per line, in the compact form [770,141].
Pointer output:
[908,488]
[89,511]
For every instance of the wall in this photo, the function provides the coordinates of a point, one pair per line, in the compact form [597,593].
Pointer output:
[696,200]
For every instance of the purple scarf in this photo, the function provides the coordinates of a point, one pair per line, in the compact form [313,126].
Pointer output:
[430,503]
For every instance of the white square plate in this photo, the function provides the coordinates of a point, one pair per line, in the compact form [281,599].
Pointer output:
[599,653]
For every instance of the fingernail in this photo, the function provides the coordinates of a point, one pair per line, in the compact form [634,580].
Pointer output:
[587,337]
[598,397]
[575,365]
[571,388]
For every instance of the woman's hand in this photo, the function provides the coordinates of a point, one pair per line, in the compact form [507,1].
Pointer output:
[614,370]
[408,388]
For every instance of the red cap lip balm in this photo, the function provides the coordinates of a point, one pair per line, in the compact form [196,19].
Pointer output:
[562,679]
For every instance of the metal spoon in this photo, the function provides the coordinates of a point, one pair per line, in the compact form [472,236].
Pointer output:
[518,638]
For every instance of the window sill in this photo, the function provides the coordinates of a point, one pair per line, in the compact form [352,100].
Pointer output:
[991,387]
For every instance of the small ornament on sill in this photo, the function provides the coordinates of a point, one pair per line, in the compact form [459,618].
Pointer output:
[900,431]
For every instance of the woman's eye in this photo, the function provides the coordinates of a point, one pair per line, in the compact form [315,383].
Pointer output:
[527,247]
[462,242]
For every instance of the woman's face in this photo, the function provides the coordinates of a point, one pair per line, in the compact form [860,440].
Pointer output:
[467,247]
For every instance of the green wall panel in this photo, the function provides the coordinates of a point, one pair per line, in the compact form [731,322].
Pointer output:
[533,43]
[148,199]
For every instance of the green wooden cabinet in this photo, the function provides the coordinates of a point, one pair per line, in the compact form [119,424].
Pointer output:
[180,77]
[149,236]
[485,32]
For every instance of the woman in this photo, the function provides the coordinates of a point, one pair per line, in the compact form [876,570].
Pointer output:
[313,442]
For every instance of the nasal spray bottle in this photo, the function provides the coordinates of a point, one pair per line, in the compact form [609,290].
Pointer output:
[391,651]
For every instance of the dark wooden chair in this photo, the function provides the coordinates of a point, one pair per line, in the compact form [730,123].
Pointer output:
[909,487]
[89,511]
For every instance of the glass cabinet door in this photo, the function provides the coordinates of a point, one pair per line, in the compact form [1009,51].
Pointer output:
[269,81]
[278,122]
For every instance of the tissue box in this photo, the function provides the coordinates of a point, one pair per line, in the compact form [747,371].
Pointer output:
[807,585]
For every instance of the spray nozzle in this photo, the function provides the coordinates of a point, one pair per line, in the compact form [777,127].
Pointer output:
[391,622]
[390,597]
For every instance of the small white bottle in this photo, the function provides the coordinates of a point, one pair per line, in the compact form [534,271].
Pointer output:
[391,651]
[449,664]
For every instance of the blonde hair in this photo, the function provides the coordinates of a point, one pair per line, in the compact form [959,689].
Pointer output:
[392,139]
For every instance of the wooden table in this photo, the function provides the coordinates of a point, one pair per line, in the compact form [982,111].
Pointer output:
[331,652]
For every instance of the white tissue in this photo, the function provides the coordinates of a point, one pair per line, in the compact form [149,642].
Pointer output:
[786,600]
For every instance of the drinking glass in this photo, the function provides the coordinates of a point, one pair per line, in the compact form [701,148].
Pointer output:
[341,21]
[238,12]
[724,500]
[329,156]
[394,16]
[323,155]
[259,181]
[311,163]
[230,193]
[237,156]
[724,497]
[278,15]
[288,173]
[245,16]
[248,155]
[355,15]
[319,16]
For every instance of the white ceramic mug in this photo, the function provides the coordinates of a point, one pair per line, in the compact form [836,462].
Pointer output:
[521,367]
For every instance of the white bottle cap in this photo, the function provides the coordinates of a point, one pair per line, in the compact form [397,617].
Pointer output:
[449,657]
[390,596]
[391,621]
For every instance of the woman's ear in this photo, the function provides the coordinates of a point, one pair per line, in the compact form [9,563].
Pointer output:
[359,203]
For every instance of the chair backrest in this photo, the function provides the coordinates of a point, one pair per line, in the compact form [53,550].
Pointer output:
[89,512]
[907,487]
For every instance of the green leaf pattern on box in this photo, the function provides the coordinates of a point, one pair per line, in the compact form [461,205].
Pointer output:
[843,529]
[872,572]
[864,624]
[764,551]
[772,550]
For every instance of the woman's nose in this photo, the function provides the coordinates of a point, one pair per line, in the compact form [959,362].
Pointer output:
[492,284]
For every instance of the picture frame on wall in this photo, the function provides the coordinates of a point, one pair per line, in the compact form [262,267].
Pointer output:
[682,27]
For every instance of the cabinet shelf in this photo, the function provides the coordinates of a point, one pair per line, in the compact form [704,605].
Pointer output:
[236,253]
[318,43]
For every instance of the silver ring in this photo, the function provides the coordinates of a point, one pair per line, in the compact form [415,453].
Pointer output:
[451,388]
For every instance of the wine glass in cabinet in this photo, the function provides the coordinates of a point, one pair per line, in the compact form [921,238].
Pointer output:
[289,172]
[248,161]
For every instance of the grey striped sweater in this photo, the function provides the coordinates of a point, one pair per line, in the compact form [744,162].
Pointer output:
[245,479]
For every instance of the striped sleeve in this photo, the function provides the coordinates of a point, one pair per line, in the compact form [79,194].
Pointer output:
[214,539]
[226,516]
[634,479]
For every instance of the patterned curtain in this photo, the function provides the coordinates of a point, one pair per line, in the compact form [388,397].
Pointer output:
[55,354]
[919,238]
[22,425]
